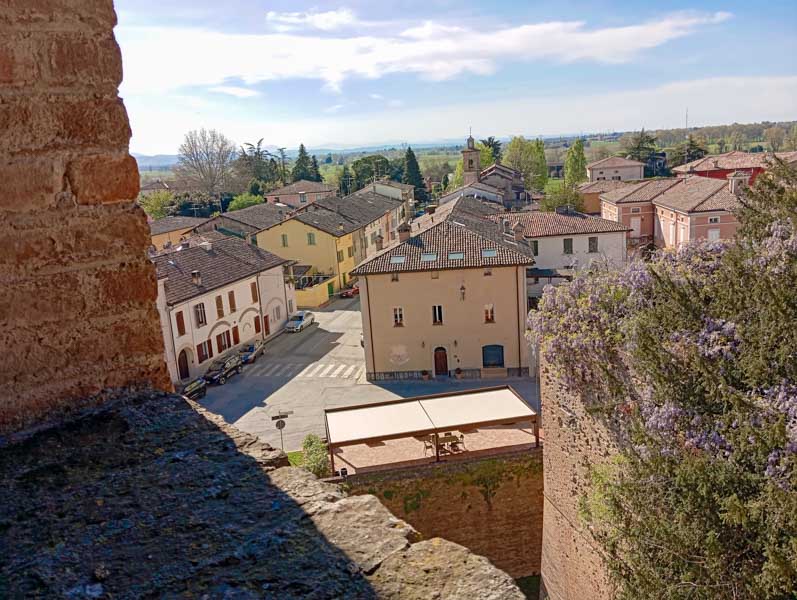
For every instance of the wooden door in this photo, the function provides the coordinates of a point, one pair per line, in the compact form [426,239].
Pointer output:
[440,361]
[182,365]
[266,326]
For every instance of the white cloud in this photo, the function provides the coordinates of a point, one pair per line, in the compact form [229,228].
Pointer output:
[238,92]
[160,126]
[376,96]
[395,103]
[325,21]
[333,109]
[155,57]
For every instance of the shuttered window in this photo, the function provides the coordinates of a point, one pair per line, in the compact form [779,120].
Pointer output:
[199,315]
[180,323]
[236,339]
[257,324]
[223,341]
[204,351]
[219,307]
[231,299]
[254,291]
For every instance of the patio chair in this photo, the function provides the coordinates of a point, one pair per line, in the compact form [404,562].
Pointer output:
[428,445]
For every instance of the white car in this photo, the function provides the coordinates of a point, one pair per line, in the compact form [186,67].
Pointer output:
[300,320]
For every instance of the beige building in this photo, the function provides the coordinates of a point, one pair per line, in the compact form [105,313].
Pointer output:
[449,299]
[215,296]
[590,192]
[170,231]
[300,193]
[615,168]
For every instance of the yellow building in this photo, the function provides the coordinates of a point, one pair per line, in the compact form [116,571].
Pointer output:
[449,299]
[169,231]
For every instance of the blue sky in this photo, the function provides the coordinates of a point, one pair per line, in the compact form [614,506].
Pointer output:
[362,73]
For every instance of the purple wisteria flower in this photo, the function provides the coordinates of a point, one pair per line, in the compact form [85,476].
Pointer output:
[718,339]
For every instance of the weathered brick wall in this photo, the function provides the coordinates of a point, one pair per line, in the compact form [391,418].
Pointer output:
[77,308]
[491,506]
[572,567]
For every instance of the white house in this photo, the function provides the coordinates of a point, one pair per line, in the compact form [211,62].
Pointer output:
[215,296]
[615,168]
[563,243]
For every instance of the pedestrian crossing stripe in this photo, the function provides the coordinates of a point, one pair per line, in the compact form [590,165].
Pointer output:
[292,370]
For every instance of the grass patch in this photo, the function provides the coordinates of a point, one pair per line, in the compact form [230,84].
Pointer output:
[553,185]
[296,458]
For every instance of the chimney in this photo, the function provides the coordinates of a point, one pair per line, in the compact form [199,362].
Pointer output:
[505,224]
[517,229]
[404,232]
[196,278]
[737,181]
[206,246]
[379,242]
[430,209]
[716,163]
[340,225]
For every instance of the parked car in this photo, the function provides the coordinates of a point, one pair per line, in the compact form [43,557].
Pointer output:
[223,368]
[196,389]
[351,292]
[250,352]
[300,320]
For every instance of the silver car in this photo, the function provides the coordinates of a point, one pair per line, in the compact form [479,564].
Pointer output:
[300,320]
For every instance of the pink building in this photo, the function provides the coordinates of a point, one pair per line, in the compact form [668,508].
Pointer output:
[300,193]
[632,205]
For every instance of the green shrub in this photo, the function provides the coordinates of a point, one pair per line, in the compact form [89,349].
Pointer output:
[316,458]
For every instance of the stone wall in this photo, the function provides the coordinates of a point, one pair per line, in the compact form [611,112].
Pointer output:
[77,309]
[491,506]
[572,566]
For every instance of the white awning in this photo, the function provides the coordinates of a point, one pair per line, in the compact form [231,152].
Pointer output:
[426,414]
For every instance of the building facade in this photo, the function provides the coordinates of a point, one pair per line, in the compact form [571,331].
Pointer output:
[615,168]
[720,166]
[449,299]
[216,296]
[632,206]
[170,231]
[300,193]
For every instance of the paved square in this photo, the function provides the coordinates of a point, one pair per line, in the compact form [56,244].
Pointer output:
[320,367]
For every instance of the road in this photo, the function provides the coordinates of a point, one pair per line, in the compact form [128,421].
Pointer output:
[320,367]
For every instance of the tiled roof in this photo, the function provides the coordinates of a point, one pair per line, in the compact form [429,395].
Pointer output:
[734,160]
[543,224]
[259,216]
[642,191]
[602,186]
[156,185]
[340,216]
[612,162]
[396,184]
[459,227]
[499,167]
[167,224]
[302,186]
[225,262]
[698,194]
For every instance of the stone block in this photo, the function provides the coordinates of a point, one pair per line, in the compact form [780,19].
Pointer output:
[100,179]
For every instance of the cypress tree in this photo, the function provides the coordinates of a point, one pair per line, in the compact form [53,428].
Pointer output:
[575,164]
[314,170]
[412,174]
[302,167]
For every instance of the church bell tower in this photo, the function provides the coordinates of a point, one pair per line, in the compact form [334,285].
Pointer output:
[471,166]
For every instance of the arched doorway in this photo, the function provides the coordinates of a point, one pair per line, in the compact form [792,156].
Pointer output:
[182,365]
[440,361]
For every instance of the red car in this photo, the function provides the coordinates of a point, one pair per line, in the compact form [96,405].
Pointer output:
[351,292]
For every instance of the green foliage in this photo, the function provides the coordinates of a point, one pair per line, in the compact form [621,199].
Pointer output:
[638,146]
[457,177]
[775,136]
[412,174]
[368,168]
[528,157]
[302,167]
[563,196]
[494,145]
[243,201]
[486,156]
[254,163]
[575,165]
[157,204]
[346,181]
[315,174]
[690,359]
[296,458]
[687,151]
[316,457]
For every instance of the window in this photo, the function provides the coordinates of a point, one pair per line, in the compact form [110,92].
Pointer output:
[713,235]
[535,247]
[219,307]
[310,239]
[593,244]
[636,209]
[600,172]
[277,312]
[435,274]
[290,306]
[394,277]
[199,315]
[231,300]
[489,313]
[489,253]
[713,220]
[351,251]
[398,317]
[437,314]
[284,238]
[456,256]
[470,163]
[488,272]
[428,256]
[257,323]
[223,341]
[303,197]
[253,287]
[397,260]
[340,256]
[204,351]
[180,323]
[236,338]
[492,356]
[568,245]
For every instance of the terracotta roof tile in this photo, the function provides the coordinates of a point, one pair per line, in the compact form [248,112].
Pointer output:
[302,186]
[260,216]
[341,216]
[734,160]
[611,162]
[602,186]
[167,224]
[544,224]
[642,191]
[698,194]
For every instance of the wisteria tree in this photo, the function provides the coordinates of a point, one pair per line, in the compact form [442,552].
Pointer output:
[692,358]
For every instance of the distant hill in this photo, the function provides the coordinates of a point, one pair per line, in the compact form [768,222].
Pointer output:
[158,161]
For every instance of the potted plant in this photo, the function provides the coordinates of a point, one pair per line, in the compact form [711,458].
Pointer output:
[425,374]
[458,373]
